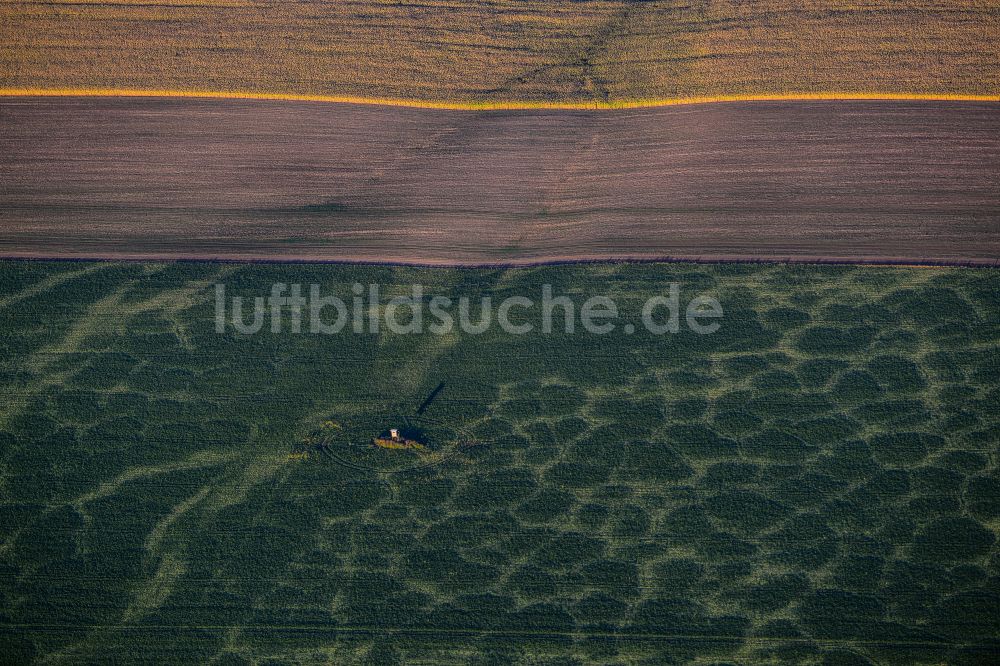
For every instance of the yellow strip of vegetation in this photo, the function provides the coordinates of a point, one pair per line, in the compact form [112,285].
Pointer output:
[493,106]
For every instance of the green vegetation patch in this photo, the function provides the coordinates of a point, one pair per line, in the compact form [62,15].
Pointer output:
[815,483]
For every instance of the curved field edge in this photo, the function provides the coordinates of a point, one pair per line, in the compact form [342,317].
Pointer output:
[263,260]
[512,105]
[817,482]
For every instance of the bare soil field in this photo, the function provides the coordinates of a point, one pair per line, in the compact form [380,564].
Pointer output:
[496,50]
[235,179]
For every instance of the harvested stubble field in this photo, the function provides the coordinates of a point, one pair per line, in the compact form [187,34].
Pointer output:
[817,482]
[240,179]
[501,50]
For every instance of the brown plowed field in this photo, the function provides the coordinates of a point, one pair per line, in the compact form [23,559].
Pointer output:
[239,179]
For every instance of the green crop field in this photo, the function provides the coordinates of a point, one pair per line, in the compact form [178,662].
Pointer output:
[815,482]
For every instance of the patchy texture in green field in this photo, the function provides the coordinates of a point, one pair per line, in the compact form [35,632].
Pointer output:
[815,482]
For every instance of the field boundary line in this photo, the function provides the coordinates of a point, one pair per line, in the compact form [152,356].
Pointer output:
[512,105]
[247,260]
